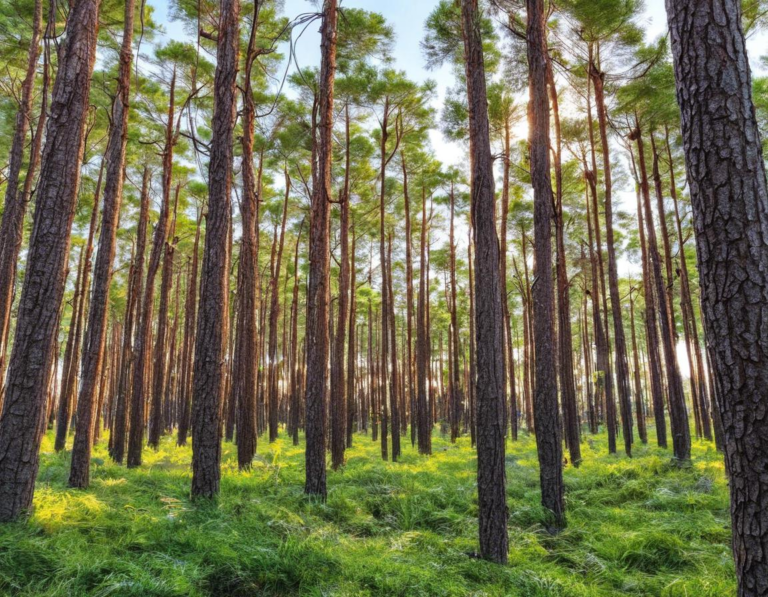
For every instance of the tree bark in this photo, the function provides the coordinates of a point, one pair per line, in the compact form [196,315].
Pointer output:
[546,416]
[15,204]
[678,414]
[23,416]
[211,340]
[319,255]
[338,384]
[726,173]
[96,330]
[489,318]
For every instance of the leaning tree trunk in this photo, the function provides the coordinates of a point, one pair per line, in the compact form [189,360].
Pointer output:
[12,226]
[726,173]
[23,416]
[489,316]
[211,340]
[96,331]
[546,416]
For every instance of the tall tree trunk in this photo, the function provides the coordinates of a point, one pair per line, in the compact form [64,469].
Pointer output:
[394,385]
[640,411]
[274,312]
[190,324]
[456,393]
[410,366]
[489,316]
[295,375]
[246,351]
[689,315]
[508,344]
[423,424]
[161,354]
[23,417]
[96,331]
[15,204]
[144,330]
[338,384]
[652,333]
[211,340]
[132,325]
[319,252]
[678,414]
[727,179]
[620,343]
[547,419]
[74,341]
[564,336]
[352,345]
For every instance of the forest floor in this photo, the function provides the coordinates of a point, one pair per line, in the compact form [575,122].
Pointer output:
[635,527]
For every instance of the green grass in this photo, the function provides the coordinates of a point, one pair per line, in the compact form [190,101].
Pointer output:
[635,527]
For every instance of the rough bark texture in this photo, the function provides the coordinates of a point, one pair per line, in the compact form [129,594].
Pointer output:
[15,204]
[491,474]
[546,416]
[96,330]
[246,354]
[23,416]
[211,340]
[319,252]
[726,173]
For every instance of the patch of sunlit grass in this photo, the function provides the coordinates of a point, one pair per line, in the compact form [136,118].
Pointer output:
[639,526]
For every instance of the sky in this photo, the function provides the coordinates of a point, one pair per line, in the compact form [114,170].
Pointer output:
[408,17]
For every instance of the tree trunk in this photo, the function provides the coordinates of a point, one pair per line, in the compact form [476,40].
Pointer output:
[727,179]
[132,325]
[319,255]
[161,354]
[15,205]
[423,424]
[190,324]
[489,316]
[546,416]
[96,331]
[338,383]
[619,339]
[678,414]
[274,312]
[23,417]
[564,336]
[211,340]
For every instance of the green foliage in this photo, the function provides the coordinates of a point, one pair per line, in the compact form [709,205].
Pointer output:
[636,527]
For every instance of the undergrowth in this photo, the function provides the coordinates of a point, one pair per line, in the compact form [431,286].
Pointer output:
[639,527]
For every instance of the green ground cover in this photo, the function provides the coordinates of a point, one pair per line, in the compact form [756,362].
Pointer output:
[635,527]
